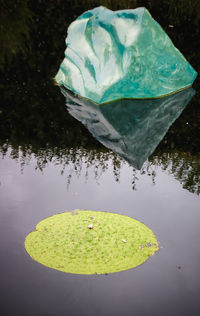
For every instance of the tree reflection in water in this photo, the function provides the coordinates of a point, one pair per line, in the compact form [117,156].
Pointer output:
[33,118]
[76,162]
[184,166]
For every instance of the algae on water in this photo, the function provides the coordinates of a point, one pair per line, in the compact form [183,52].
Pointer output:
[91,242]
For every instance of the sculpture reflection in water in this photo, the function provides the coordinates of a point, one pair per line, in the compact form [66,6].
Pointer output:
[130,128]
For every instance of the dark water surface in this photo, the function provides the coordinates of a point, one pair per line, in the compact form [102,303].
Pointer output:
[49,163]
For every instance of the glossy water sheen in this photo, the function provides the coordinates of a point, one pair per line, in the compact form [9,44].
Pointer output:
[50,163]
[121,54]
[167,284]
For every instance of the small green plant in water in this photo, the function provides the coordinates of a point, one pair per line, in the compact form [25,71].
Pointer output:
[91,242]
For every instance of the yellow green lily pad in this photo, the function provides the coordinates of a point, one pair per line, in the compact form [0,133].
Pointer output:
[91,242]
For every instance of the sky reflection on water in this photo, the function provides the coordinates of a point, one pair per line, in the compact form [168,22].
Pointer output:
[167,281]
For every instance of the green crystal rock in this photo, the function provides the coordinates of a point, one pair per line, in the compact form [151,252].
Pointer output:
[91,242]
[130,128]
[121,54]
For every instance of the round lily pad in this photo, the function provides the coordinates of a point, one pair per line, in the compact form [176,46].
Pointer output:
[91,242]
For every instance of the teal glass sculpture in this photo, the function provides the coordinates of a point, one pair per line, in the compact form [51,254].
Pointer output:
[112,55]
[130,128]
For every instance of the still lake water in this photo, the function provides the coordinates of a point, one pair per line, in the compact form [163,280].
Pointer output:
[168,281]
[50,163]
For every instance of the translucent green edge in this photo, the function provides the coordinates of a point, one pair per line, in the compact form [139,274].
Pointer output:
[114,243]
[108,102]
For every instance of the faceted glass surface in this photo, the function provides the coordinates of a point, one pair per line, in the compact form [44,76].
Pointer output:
[121,54]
